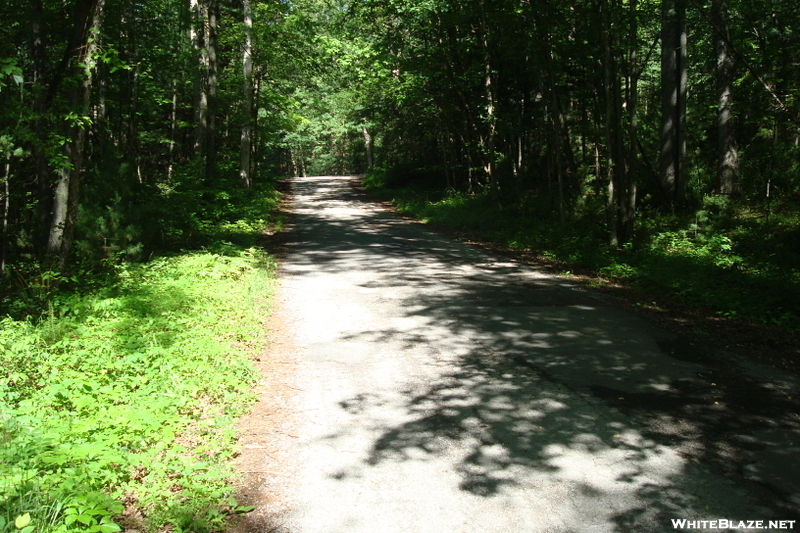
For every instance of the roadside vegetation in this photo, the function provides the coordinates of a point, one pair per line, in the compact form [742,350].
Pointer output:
[120,387]
[729,258]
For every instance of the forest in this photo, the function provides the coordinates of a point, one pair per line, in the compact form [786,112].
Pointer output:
[655,143]
[130,129]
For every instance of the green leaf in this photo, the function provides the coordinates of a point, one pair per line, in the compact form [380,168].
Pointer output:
[22,520]
[85,519]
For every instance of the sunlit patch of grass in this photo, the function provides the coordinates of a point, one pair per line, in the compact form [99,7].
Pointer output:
[117,404]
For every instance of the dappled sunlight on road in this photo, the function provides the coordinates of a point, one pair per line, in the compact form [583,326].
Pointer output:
[446,390]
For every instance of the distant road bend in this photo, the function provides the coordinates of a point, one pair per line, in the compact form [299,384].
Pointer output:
[442,389]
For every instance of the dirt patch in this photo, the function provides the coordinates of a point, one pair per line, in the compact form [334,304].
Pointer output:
[265,433]
[263,464]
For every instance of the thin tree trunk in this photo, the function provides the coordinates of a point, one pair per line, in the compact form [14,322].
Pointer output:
[611,86]
[198,36]
[41,124]
[247,104]
[561,140]
[673,102]
[213,66]
[491,118]
[173,128]
[369,143]
[6,201]
[727,152]
[65,201]
[632,171]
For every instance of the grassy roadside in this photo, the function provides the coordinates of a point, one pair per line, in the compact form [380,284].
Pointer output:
[722,261]
[117,407]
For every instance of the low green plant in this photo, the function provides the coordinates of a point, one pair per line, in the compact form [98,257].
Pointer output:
[128,393]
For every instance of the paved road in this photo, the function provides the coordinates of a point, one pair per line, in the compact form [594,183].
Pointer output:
[445,390]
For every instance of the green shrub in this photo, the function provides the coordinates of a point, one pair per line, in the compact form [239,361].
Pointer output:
[128,393]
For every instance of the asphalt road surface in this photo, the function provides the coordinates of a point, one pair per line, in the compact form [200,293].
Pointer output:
[442,389]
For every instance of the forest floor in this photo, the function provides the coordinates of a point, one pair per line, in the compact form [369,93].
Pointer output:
[417,383]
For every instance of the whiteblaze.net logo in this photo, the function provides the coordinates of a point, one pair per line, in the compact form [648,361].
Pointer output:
[733,524]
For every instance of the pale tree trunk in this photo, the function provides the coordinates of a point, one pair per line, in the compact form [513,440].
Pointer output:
[491,118]
[368,145]
[247,124]
[65,199]
[254,151]
[295,169]
[727,152]
[173,128]
[197,34]
[673,102]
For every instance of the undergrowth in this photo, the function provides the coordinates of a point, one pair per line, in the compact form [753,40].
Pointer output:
[723,256]
[117,404]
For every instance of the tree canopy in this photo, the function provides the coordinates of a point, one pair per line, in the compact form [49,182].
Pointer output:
[125,126]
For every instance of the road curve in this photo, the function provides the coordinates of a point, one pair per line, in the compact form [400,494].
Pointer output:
[441,389]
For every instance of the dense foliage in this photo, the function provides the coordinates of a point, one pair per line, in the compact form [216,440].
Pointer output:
[122,125]
[655,140]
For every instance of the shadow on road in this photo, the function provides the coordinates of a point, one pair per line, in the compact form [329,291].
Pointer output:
[548,387]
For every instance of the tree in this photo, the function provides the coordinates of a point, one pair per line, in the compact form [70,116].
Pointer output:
[727,151]
[247,102]
[78,61]
[673,102]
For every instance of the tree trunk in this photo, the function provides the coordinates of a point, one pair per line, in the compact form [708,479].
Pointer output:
[727,152]
[65,199]
[6,203]
[491,118]
[213,66]
[369,143]
[41,124]
[173,129]
[632,170]
[197,34]
[612,122]
[561,140]
[247,104]
[673,102]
